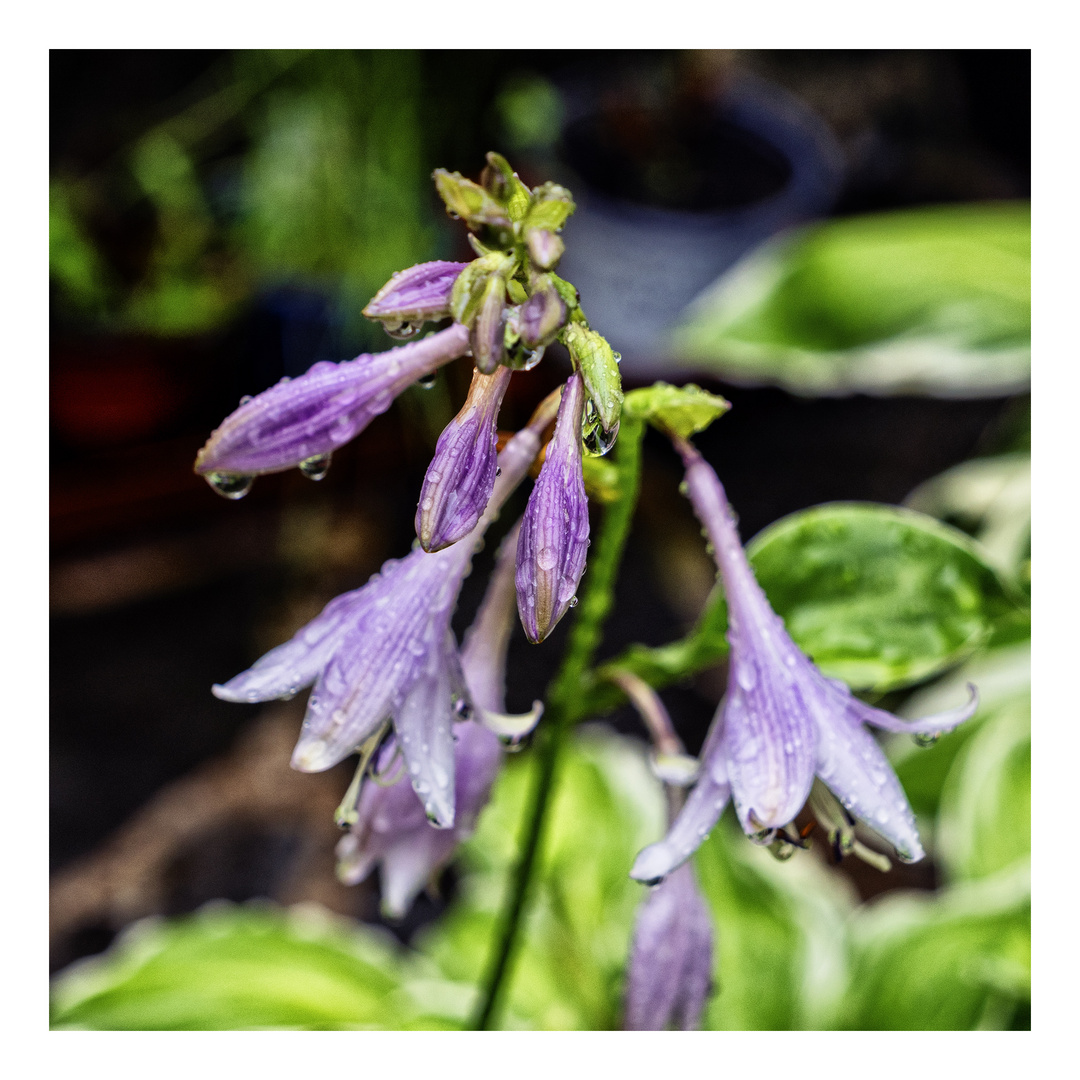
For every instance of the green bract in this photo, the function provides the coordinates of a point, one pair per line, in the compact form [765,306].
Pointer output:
[934,301]
[676,410]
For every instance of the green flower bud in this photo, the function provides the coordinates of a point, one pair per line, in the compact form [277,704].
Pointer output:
[487,334]
[469,201]
[503,183]
[593,357]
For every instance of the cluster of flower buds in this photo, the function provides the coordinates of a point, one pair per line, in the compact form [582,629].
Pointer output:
[389,681]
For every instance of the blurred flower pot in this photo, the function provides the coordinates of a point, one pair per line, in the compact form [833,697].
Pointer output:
[665,207]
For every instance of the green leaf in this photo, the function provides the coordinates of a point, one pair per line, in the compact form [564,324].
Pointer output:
[952,960]
[594,359]
[984,824]
[229,967]
[932,301]
[990,498]
[676,410]
[878,596]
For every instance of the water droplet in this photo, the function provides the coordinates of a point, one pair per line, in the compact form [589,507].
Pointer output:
[546,558]
[618,357]
[403,331]
[595,440]
[922,738]
[462,709]
[573,601]
[498,472]
[246,398]
[230,485]
[684,488]
[746,676]
[315,468]
[428,381]
[442,778]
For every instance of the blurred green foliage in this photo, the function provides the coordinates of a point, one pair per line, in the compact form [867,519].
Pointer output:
[935,301]
[294,168]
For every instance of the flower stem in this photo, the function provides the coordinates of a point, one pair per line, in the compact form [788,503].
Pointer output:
[565,690]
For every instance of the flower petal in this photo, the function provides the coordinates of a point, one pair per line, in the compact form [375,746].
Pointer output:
[424,725]
[290,667]
[925,725]
[703,808]
[854,768]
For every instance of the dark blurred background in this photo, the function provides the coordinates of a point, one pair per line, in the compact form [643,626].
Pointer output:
[218,219]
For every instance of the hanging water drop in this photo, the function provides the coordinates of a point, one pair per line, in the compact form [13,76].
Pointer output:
[245,399]
[428,381]
[230,485]
[573,601]
[926,738]
[315,468]
[404,331]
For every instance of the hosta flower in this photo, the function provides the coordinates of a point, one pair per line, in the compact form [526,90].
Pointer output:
[391,826]
[386,651]
[414,296]
[671,957]
[555,531]
[461,475]
[782,721]
[304,420]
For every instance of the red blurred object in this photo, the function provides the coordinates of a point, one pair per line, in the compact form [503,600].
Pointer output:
[116,391]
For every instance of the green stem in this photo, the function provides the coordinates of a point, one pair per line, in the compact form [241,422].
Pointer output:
[561,713]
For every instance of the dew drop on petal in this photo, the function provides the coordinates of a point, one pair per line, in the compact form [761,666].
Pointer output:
[546,559]
[230,485]
[315,468]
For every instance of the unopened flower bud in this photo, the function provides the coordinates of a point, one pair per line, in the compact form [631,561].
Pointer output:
[468,200]
[541,316]
[417,295]
[545,248]
[595,360]
[555,531]
[461,475]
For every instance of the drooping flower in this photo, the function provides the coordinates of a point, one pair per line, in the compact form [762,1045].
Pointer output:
[414,296]
[386,651]
[671,957]
[782,721]
[306,419]
[555,532]
[669,972]
[391,826]
[461,475]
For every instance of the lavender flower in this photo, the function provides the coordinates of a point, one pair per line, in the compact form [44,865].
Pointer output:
[670,969]
[391,826]
[781,721]
[386,650]
[461,475]
[555,531]
[414,296]
[304,420]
